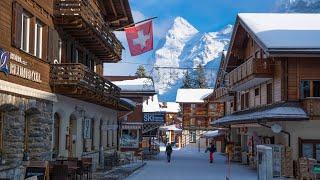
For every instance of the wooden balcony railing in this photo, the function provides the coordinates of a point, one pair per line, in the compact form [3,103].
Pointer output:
[251,68]
[82,21]
[312,107]
[77,81]
[196,111]
[223,94]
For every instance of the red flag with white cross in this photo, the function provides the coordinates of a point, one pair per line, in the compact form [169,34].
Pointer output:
[140,38]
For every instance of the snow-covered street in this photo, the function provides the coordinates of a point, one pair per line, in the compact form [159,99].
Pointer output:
[188,163]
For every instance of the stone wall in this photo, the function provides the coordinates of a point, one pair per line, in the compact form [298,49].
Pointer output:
[38,113]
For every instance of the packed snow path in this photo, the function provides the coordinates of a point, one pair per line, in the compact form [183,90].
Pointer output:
[188,163]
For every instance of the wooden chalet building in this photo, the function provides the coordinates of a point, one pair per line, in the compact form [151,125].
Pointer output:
[171,132]
[134,130]
[198,110]
[54,101]
[269,82]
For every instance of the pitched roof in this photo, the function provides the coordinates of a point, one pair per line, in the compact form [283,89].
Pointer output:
[192,95]
[284,31]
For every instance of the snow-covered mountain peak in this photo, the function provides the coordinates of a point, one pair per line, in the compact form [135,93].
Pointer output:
[181,29]
[185,47]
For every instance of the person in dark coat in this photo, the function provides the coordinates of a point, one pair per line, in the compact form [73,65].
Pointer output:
[169,152]
[211,149]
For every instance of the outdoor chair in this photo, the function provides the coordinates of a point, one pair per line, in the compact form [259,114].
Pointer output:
[87,167]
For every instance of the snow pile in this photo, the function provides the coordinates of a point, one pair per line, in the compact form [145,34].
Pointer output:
[139,84]
[151,104]
[170,107]
[297,31]
[185,47]
[192,95]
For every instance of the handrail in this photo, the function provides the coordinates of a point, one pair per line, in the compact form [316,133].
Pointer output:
[84,9]
[249,67]
[76,73]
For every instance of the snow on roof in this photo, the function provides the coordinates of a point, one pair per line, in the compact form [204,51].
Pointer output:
[279,30]
[192,95]
[129,101]
[140,84]
[212,134]
[171,107]
[151,104]
[170,128]
[284,113]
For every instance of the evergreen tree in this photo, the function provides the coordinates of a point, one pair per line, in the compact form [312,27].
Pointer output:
[187,81]
[141,72]
[200,77]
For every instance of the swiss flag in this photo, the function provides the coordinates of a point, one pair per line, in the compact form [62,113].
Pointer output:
[140,38]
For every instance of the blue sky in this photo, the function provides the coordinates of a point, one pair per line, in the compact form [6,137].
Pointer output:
[205,15]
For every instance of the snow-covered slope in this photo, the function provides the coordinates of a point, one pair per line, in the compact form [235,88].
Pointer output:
[300,6]
[185,47]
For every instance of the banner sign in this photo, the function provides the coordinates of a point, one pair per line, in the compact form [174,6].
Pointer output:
[153,117]
[87,129]
[13,64]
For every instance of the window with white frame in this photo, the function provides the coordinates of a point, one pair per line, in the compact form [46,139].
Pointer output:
[25,32]
[38,39]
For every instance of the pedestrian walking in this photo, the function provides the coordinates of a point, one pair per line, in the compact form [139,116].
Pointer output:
[211,149]
[168,152]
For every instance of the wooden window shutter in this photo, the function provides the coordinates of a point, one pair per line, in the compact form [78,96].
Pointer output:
[16,25]
[52,45]
[32,35]
[45,43]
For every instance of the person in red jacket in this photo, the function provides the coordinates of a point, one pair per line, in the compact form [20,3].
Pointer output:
[211,149]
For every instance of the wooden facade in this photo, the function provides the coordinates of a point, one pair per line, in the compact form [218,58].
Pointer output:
[252,79]
[46,55]
[198,116]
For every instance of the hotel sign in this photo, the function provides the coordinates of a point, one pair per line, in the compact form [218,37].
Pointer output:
[13,64]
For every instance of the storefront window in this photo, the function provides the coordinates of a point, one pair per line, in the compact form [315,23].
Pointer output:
[318,152]
[1,130]
[316,88]
[310,88]
[307,150]
[130,138]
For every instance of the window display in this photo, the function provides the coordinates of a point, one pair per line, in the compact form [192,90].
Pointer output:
[130,138]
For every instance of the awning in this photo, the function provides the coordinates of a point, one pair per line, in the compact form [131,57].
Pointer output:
[170,128]
[213,134]
[288,111]
[126,104]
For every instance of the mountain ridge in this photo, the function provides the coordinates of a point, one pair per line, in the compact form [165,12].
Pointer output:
[185,47]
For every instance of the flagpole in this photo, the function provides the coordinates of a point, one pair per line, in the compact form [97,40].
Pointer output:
[132,24]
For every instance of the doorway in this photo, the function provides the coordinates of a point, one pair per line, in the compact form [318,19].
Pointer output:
[73,136]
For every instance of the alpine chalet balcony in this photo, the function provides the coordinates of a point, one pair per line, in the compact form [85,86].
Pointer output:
[81,21]
[312,107]
[249,74]
[222,94]
[77,81]
[195,112]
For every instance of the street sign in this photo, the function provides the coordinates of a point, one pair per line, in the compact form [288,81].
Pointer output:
[153,117]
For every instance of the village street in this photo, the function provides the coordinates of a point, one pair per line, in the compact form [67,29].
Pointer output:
[188,163]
